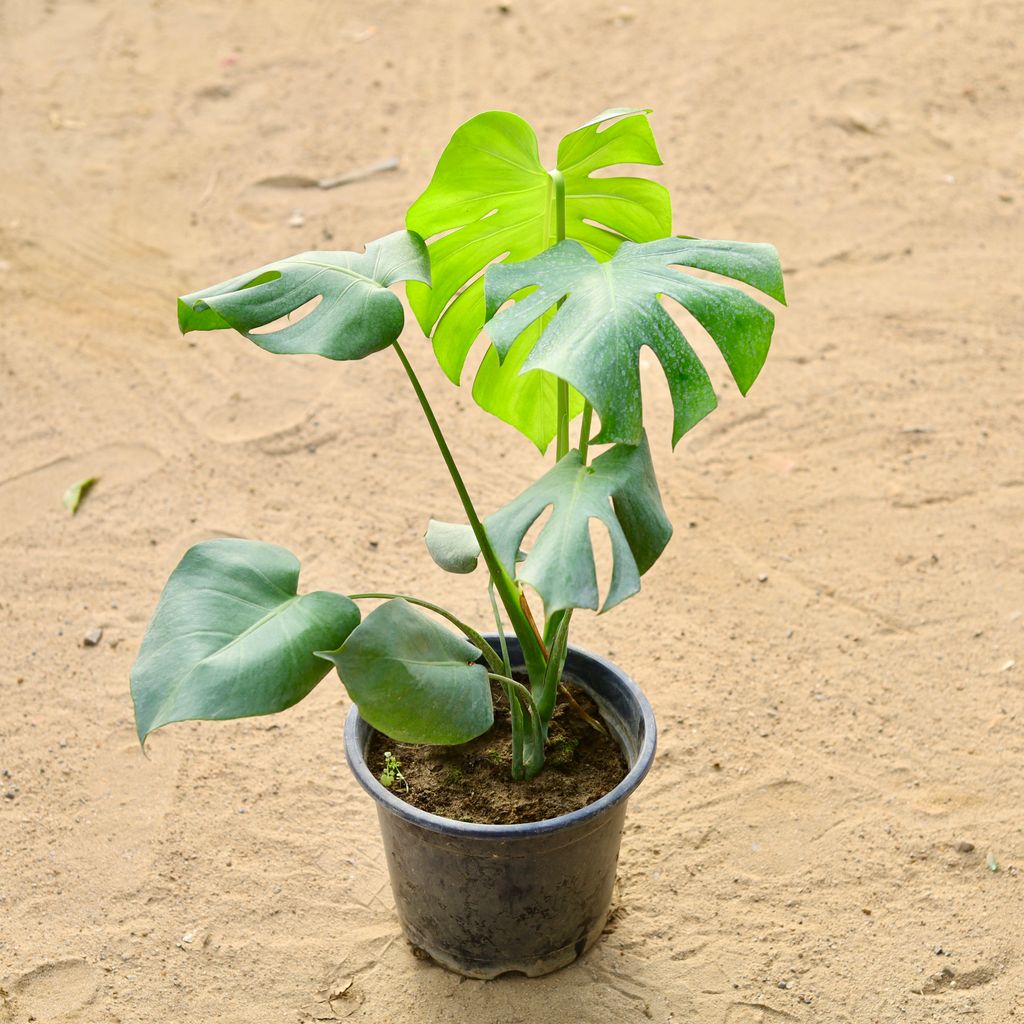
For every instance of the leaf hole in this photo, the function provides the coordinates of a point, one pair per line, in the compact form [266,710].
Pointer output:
[453,360]
[290,319]
[624,170]
[611,122]
[430,239]
[601,544]
[655,395]
[692,330]
[264,278]
[536,529]
[518,297]
[604,227]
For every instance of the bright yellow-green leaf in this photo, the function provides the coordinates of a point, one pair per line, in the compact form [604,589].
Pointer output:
[491,199]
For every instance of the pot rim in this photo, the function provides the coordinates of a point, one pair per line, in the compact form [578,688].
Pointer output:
[471,829]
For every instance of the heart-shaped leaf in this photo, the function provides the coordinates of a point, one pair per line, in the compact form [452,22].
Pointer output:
[495,200]
[619,489]
[612,309]
[356,316]
[231,637]
[412,679]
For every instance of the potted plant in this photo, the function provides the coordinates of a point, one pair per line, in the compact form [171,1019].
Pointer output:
[565,269]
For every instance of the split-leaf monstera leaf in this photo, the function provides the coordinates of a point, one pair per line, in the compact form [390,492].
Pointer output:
[232,637]
[491,198]
[618,489]
[612,309]
[357,314]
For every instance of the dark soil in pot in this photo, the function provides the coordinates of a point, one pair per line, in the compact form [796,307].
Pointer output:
[471,781]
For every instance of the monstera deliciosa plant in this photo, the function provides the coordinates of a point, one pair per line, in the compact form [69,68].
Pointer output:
[565,270]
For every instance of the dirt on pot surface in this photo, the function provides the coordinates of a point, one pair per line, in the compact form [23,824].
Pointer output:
[833,642]
[470,782]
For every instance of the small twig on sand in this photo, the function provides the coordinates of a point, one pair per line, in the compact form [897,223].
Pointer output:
[211,184]
[348,178]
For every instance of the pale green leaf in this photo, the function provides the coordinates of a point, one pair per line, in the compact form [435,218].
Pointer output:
[412,679]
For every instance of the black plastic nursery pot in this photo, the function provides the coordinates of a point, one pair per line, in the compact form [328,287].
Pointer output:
[484,900]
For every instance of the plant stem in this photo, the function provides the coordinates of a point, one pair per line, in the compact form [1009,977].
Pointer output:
[515,715]
[515,711]
[551,628]
[559,183]
[536,728]
[547,696]
[507,589]
[588,413]
[562,414]
[562,389]
[525,605]
[562,392]
[506,662]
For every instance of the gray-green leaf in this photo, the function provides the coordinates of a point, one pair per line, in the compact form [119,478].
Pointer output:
[231,637]
[412,679]
[356,316]
[612,310]
[619,489]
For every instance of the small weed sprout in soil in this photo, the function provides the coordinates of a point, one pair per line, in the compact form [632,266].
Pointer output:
[565,269]
[392,772]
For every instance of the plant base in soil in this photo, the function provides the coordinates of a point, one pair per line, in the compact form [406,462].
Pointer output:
[470,782]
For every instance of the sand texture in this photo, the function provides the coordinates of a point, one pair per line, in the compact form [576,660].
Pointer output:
[833,642]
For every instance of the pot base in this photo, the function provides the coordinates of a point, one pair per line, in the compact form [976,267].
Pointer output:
[489,970]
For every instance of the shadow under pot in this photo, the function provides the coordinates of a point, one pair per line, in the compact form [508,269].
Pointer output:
[485,900]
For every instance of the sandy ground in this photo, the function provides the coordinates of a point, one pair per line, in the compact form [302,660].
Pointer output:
[833,643]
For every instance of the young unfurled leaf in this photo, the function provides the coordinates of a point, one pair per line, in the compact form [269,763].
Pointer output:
[619,489]
[612,310]
[231,637]
[357,315]
[412,679]
[495,199]
[76,492]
